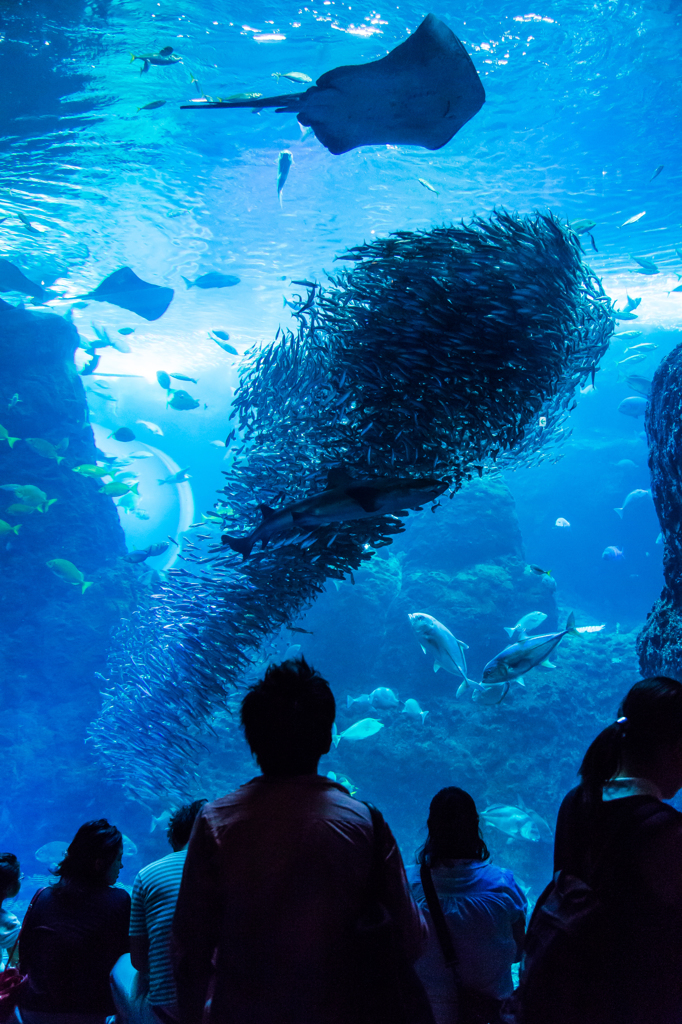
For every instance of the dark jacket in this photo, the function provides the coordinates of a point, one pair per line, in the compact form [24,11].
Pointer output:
[73,936]
[274,881]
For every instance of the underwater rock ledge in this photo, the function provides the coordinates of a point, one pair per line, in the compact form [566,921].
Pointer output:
[441,353]
[659,645]
[53,636]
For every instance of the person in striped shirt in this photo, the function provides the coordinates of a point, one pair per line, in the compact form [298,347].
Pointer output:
[150,995]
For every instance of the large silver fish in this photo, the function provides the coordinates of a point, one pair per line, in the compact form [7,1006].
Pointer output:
[344,499]
[521,657]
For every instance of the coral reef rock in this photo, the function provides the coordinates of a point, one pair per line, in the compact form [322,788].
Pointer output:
[659,645]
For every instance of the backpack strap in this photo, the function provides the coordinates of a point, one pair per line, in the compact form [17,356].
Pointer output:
[438,918]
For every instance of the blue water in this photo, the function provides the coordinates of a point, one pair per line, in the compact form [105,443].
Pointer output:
[582,106]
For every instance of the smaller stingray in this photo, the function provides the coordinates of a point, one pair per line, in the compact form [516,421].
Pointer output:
[125,289]
[419,94]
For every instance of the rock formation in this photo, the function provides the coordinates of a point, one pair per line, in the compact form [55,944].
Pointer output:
[659,645]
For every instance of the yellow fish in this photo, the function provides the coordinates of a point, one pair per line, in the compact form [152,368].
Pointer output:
[68,572]
[116,490]
[6,528]
[48,451]
[4,436]
[88,469]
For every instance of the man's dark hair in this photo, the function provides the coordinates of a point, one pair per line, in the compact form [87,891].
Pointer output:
[287,718]
[180,825]
[10,875]
[92,851]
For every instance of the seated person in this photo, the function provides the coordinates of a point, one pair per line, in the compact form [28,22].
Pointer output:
[10,884]
[75,932]
[155,893]
[482,904]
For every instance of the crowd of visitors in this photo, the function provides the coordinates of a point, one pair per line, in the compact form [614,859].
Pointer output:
[287,902]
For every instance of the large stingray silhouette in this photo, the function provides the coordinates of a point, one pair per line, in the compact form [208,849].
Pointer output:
[419,94]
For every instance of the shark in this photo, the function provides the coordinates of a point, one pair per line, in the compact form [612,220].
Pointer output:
[344,499]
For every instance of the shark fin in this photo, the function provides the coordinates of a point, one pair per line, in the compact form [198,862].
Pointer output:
[338,477]
[462,687]
[241,544]
[366,497]
[423,716]
[266,511]
[436,666]
[463,646]
[547,663]
[519,680]
[619,511]
[518,634]
[509,631]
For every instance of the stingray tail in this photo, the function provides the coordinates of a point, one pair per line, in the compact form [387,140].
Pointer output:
[289,102]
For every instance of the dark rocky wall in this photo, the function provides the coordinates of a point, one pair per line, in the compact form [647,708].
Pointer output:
[53,638]
[659,645]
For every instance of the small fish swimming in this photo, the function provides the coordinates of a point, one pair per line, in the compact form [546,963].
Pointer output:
[634,407]
[213,280]
[117,489]
[155,429]
[218,444]
[51,853]
[582,225]
[163,379]
[293,76]
[525,654]
[383,698]
[181,376]
[635,498]
[4,436]
[642,385]
[447,650]
[612,554]
[638,357]
[656,172]
[224,345]
[562,524]
[89,469]
[164,58]
[513,821]
[284,162]
[14,400]
[47,450]
[361,730]
[125,330]
[142,455]
[539,571]
[6,528]
[633,220]
[644,346]
[29,494]
[412,709]
[647,265]
[161,821]
[177,478]
[68,572]
[182,401]
[627,334]
[154,105]
[124,434]
[526,624]
[427,185]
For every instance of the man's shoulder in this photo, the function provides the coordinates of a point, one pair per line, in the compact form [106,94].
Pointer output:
[172,863]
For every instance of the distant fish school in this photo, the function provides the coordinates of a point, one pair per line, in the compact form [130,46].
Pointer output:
[388,412]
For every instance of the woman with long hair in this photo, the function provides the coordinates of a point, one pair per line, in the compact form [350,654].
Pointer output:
[605,941]
[75,931]
[482,906]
